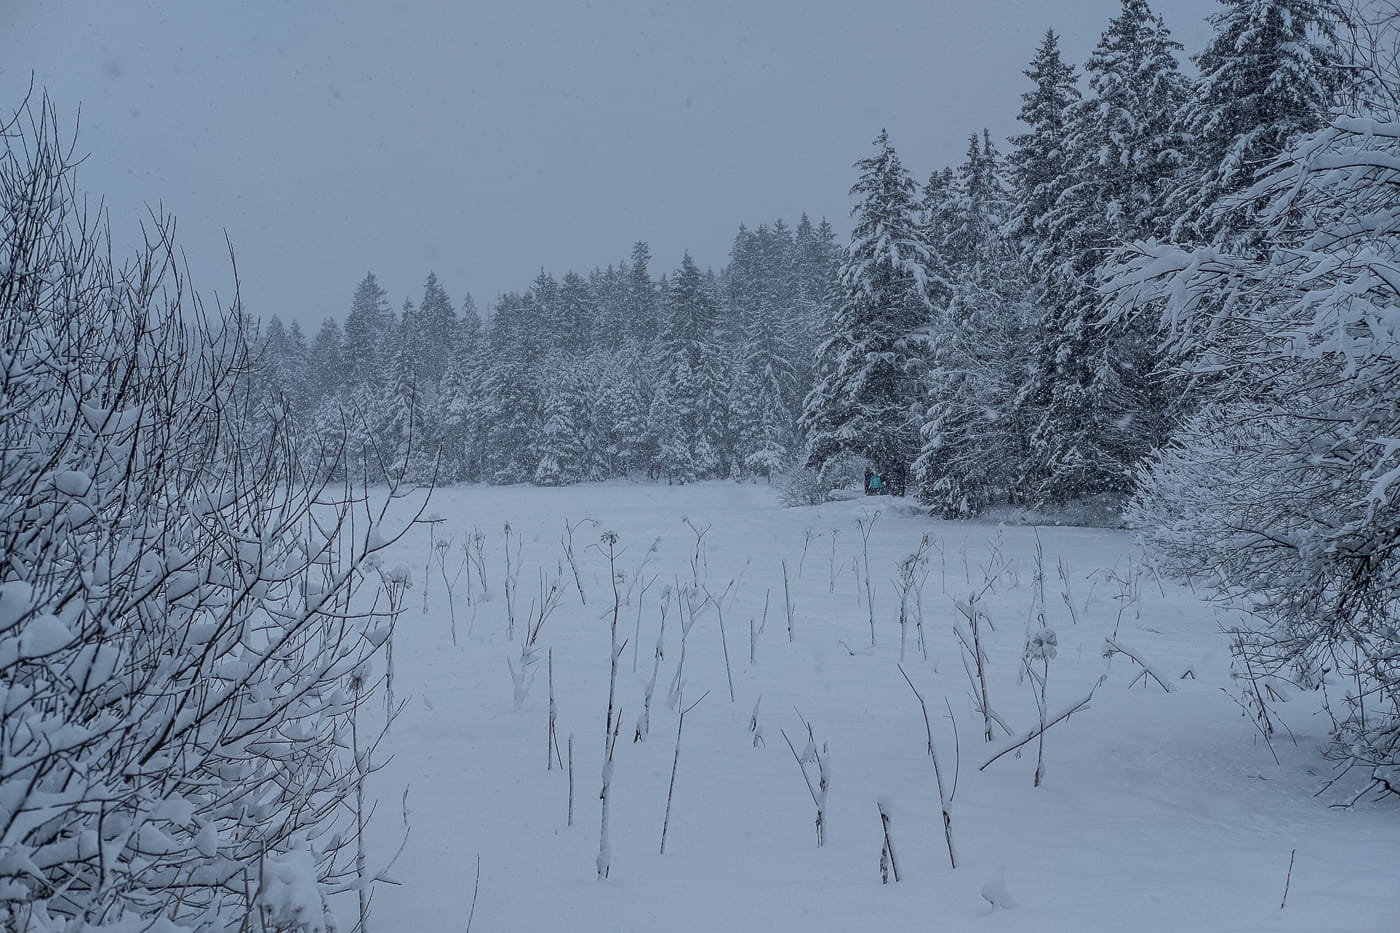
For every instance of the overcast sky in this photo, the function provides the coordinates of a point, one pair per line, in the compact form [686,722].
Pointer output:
[485,140]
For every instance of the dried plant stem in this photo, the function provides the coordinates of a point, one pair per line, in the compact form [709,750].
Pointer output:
[697,558]
[567,540]
[604,860]
[362,768]
[818,791]
[675,763]
[637,635]
[979,663]
[724,641]
[512,573]
[888,852]
[610,539]
[866,526]
[476,889]
[807,537]
[944,798]
[787,600]
[831,579]
[551,752]
[1112,646]
[1032,735]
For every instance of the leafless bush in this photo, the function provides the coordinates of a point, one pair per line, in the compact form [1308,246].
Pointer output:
[178,622]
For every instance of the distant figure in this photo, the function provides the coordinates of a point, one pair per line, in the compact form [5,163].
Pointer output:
[873,484]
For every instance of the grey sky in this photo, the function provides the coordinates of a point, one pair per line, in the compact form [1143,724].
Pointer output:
[483,140]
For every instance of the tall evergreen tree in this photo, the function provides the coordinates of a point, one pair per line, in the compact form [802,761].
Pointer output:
[367,329]
[621,414]
[1094,392]
[973,436]
[1127,148]
[975,208]
[297,372]
[936,201]
[566,436]
[330,372]
[816,258]
[866,401]
[640,309]
[578,315]
[1269,74]
[399,415]
[691,370]
[505,405]
[456,408]
[437,330]
[1039,163]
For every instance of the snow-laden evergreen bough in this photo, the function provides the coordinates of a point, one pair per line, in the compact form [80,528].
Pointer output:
[1286,487]
[177,623]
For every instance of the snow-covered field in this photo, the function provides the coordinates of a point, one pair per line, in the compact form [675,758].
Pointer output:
[1158,811]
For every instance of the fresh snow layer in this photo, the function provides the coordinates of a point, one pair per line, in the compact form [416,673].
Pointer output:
[1158,811]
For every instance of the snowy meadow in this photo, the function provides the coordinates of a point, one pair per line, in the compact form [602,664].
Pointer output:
[1162,805]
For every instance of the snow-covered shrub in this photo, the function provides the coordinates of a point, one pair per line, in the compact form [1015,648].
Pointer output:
[176,624]
[842,477]
[1286,488]
[802,486]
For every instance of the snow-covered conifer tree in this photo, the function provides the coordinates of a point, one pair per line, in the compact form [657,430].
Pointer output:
[973,438]
[867,399]
[693,375]
[566,437]
[1093,392]
[1270,74]
[1039,163]
[620,414]
[367,330]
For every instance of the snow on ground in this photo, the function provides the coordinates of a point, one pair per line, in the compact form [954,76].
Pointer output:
[1158,811]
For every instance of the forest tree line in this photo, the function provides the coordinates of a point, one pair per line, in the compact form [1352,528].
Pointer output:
[960,342]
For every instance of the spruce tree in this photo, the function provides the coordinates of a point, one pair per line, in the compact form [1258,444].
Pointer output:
[505,406]
[437,332]
[1269,74]
[399,417]
[566,429]
[817,256]
[457,410]
[578,315]
[973,438]
[620,414]
[866,401]
[1093,392]
[367,329]
[691,370]
[1039,164]
[639,318]
[974,208]
[297,373]
[330,374]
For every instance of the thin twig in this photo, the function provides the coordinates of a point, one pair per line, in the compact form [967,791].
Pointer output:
[476,888]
